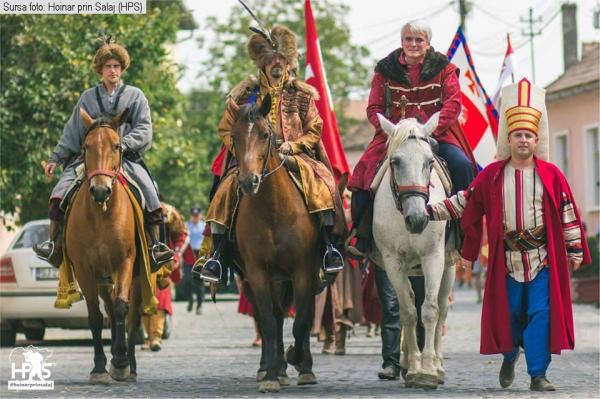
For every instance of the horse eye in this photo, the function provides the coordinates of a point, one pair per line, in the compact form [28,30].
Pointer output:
[117,146]
[265,136]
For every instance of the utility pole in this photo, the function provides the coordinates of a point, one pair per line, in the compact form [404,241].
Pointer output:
[463,10]
[531,33]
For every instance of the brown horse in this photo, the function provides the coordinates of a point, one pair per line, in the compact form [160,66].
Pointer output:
[278,243]
[101,246]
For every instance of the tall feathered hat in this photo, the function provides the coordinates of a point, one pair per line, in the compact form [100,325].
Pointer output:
[265,43]
[523,108]
[108,51]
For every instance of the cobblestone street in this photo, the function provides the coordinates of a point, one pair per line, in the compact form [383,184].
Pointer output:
[211,356]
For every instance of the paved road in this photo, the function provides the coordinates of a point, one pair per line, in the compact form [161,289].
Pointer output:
[211,356]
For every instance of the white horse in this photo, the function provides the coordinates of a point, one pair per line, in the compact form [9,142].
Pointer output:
[405,238]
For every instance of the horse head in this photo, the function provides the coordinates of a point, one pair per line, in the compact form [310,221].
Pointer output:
[103,152]
[253,138]
[410,157]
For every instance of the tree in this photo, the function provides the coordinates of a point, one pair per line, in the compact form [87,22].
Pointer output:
[46,64]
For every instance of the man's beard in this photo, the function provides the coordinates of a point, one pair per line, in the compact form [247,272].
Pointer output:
[276,72]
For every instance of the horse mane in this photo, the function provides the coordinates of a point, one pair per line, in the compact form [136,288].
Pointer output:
[401,133]
[250,112]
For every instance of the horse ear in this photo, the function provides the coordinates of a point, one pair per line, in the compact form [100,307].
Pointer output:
[432,123]
[386,125]
[120,118]
[265,106]
[87,119]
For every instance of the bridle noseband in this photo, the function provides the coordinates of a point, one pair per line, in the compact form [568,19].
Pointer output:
[401,192]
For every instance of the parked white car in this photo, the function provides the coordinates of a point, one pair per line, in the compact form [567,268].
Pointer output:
[28,289]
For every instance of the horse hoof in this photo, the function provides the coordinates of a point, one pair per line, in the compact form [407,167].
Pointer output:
[426,381]
[441,377]
[269,386]
[132,378]
[260,375]
[284,380]
[99,378]
[290,353]
[409,379]
[307,379]
[119,374]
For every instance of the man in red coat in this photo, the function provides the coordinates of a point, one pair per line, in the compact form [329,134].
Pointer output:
[413,81]
[534,234]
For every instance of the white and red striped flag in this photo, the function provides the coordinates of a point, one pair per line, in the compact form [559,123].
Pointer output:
[479,118]
[315,76]
[508,69]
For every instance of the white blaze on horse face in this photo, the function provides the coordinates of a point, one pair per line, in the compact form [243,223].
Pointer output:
[250,126]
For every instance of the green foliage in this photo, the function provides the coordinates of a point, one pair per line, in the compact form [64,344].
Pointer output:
[46,65]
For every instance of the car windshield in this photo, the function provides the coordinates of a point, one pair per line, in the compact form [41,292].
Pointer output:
[32,235]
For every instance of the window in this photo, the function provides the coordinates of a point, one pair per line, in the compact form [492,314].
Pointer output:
[561,153]
[593,165]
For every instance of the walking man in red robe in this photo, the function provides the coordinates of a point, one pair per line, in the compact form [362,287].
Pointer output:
[535,235]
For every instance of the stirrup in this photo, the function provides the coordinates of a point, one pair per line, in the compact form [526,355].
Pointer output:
[42,247]
[332,251]
[207,275]
[163,248]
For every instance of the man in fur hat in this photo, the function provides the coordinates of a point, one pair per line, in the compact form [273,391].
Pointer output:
[296,122]
[110,95]
[534,234]
[413,81]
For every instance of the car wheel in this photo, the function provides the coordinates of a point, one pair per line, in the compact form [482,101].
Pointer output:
[8,336]
[168,326]
[35,334]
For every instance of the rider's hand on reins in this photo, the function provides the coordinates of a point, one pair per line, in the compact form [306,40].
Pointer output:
[465,264]
[285,148]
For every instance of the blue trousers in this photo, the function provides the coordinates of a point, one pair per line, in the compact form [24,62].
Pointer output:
[530,321]
[461,169]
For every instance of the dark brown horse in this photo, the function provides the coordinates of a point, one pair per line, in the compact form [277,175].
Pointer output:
[101,246]
[278,243]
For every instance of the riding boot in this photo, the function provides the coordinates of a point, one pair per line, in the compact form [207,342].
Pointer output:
[52,250]
[211,269]
[160,253]
[340,340]
[362,224]
[333,261]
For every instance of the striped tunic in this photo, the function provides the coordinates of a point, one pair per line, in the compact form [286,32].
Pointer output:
[522,205]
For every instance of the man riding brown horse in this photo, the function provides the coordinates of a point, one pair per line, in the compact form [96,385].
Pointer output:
[297,125]
[110,95]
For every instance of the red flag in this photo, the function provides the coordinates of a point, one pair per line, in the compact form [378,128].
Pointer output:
[315,75]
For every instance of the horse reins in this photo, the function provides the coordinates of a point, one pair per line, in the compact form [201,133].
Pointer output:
[400,192]
[264,173]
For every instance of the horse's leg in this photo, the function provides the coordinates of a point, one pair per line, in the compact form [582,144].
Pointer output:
[95,319]
[304,299]
[408,315]
[133,325]
[445,289]
[433,272]
[119,369]
[259,281]
[280,307]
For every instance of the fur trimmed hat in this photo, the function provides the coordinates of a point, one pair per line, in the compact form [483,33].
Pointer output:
[110,51]
[261,51]
[523,108]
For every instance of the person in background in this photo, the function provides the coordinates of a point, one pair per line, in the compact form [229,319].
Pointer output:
[196,227]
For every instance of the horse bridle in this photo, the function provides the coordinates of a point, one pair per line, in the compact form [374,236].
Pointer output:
[265,173]
[104,172]
[401,192]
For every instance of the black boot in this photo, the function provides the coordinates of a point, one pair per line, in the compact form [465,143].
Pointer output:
[362,222]
[333,261]
[52,250]
[211,269]
[160,253]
